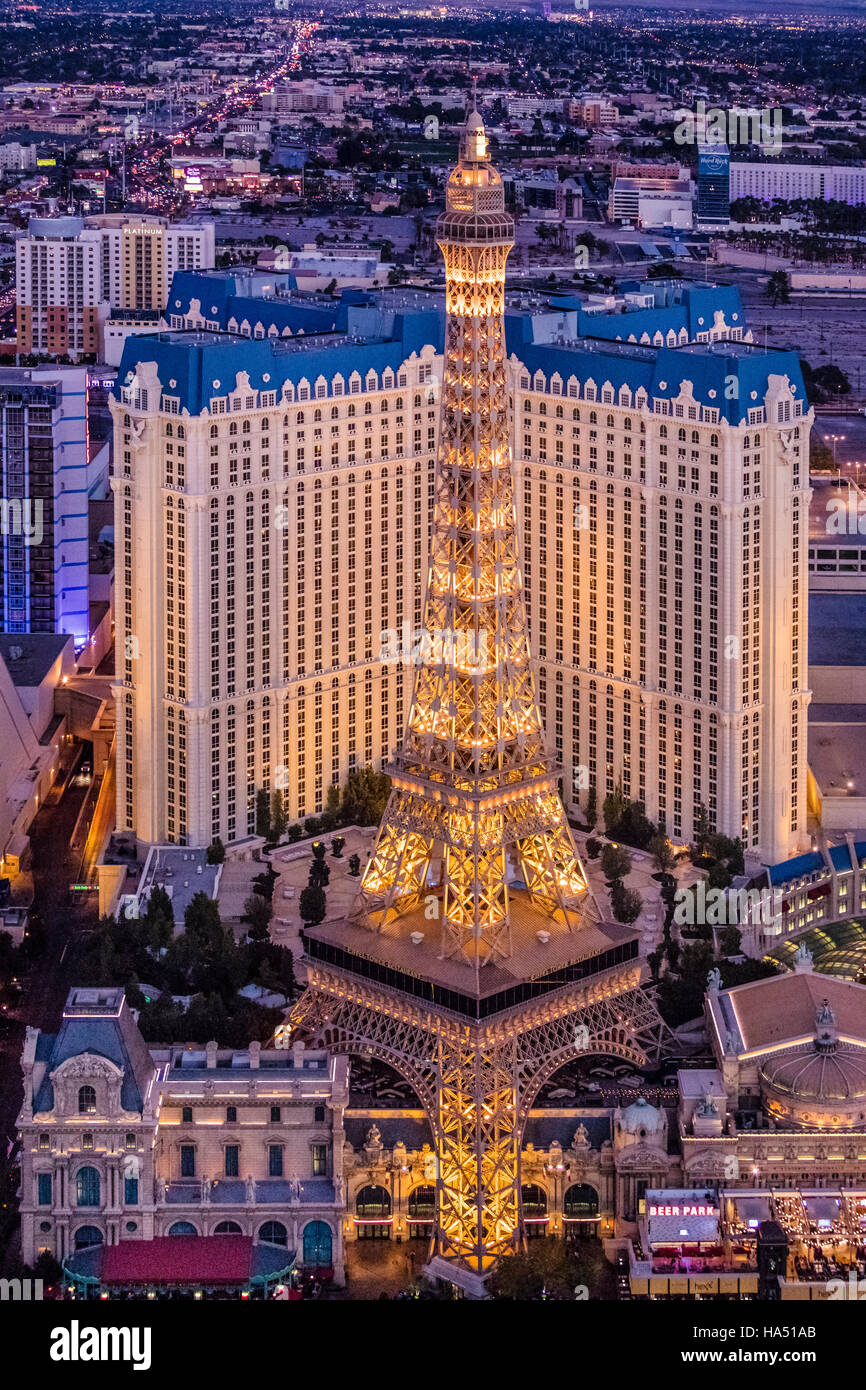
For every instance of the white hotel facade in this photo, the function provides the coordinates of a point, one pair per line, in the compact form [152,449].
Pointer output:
[273,507]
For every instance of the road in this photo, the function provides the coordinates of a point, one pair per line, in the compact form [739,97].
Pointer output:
[48,980]
[147,177]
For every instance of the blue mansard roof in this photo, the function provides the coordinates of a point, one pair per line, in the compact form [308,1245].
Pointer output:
[363,332]
[101,1023]
[727,376]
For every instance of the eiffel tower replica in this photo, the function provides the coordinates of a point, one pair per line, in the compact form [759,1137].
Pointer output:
[475,962]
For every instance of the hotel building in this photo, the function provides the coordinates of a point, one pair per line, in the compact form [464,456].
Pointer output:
[120,1142]
[274,491]
[46,478]
[70,272]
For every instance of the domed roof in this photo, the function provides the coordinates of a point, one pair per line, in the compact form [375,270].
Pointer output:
[821,1071]
[640,1115]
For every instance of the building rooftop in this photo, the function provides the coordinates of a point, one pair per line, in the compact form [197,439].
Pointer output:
[182,873]
[837,749]
[29,656]
[544,964]
[769,1014]
[837,628]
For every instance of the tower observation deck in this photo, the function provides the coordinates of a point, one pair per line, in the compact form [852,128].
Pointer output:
[475,962]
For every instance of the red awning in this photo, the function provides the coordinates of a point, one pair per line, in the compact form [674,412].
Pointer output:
[179,1260]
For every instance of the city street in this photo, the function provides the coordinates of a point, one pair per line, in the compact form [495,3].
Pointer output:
[48,979]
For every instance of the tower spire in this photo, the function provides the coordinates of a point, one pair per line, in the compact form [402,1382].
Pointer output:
[474,803]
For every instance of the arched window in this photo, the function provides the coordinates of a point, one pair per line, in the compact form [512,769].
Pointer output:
[534,1202]
[182,1228]
[422,1212]
[580,1208]
[422,1203]
[318,1245]
[228,1228]
[86,1236]
[274,1232]
[86,1100]
[87,1187]
[372,1202]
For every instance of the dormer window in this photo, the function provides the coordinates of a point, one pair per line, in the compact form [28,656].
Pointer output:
[86,1100]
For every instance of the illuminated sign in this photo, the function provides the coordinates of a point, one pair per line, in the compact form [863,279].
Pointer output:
[715,162]
[45,163]
[684,1209]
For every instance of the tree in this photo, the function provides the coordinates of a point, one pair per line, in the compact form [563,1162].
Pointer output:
[279,819]
[202,919]
[654,961]
[354,865]
[730,941]
[331,812]
[615,862]
[703,830]
[591,806]
[47,1268]
[216,851]
[719,876]
[257,911]
[779,287]
[263,814]
[612,808]
[625,902]
[312,905]
[364,796]
[320,874]
[593,847]
[663,855]
[295,834]
[549,1269]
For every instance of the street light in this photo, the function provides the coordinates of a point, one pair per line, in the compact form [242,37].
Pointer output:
[836,439]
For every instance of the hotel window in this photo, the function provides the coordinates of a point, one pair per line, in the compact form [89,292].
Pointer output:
[186,1115]
[187,1160]
[44,1142]
[275,1114]
[44,1189]
[320,1160]
[319,1113]
[130,1192]
[231,1163]
[231,1114]
[129,1141]
[86,1100]
[275,1160]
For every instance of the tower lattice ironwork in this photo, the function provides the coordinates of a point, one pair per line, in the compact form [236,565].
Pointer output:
[519,975]
[474,783]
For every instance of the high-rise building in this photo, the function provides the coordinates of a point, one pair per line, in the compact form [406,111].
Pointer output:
[58,269]
[70,272]
[468,959]
[713,206]
[663,495]
[46,478]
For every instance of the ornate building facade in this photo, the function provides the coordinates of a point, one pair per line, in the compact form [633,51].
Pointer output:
[274,497]
[120,1142]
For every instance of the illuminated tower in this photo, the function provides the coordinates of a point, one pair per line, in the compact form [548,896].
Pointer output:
[474,786]
[474,962]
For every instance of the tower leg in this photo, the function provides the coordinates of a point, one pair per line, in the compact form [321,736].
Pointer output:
[477,1114]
